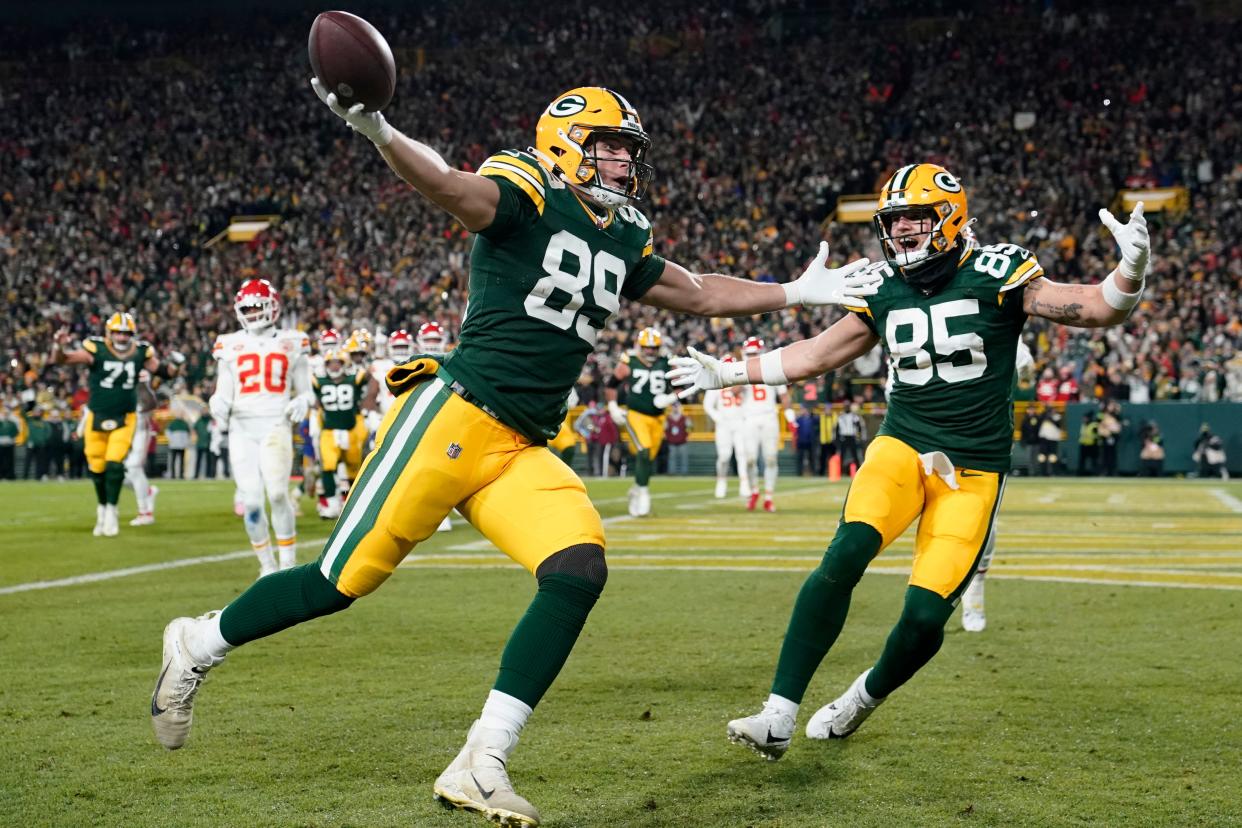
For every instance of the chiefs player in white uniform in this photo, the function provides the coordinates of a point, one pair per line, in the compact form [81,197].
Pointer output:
[724,407]
[262,387]
[400,348]
[431,340]
[762,430]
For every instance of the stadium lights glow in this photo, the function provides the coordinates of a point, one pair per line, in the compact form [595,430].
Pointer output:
[1107,101]
[1034,213]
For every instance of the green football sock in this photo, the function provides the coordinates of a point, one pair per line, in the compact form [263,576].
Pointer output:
[541,642]
[329,484]
[280,601]
[819,613]
[912,643]
[114,478]
[642,467]
[101,488]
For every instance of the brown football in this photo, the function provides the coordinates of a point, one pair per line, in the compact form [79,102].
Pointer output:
[351,58]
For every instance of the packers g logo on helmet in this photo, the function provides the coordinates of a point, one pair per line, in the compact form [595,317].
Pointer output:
[565,143]
[934,203]
[649,338]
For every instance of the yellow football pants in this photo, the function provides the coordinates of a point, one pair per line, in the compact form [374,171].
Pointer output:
[435,451]
[891,489]
[646,431]
[104,447]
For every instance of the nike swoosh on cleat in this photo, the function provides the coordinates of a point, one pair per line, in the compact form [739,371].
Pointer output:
[772,741]
[484,791]
[155,708]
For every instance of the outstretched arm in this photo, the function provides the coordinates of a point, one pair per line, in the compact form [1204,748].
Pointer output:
[1108,302]
[712,294]
[847,340]
[471,198]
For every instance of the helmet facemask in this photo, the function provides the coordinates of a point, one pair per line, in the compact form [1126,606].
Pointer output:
[256,313]
[638,172]
[919,250]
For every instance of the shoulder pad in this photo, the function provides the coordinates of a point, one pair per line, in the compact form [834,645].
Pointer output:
[1011,264]
[519,169]
[625,358]
[91,344]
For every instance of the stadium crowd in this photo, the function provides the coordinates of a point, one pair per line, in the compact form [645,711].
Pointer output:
[137,145]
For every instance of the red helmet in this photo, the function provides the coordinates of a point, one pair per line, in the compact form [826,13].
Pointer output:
[727,358]
[431,338]
[257,305]
[752,346]
[329,338]
[400,345]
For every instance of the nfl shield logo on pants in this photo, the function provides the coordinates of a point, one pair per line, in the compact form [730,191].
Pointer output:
[454,451]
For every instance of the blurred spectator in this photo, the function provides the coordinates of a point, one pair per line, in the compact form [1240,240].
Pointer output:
[1109,430]
[10,428]
[1089,446]
[57,444]
[1151,455]
[177,431]
[40,434]
[606,438]
[1050,437]
[851,439]
[808,440]
[1030,437]
[204,463]
[677,428]
[1048,387]
[1209,454]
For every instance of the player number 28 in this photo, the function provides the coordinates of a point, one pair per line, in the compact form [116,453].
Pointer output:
[258,373]
[907,331]
[570,266]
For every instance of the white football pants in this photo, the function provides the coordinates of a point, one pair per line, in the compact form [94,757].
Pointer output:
[261,455]
[762,435]
[136,465]
[731,442]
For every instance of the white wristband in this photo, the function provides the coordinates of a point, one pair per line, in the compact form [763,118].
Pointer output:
[793,294]
[1117,298]
[771,369]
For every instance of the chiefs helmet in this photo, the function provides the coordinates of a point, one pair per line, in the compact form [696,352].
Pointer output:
[752,346]
[120,323]
[337,357]
[400,345]
[431,338]
[728,358]
[257,305]
[329,338]
[929,196]
[565,143]
[649,338]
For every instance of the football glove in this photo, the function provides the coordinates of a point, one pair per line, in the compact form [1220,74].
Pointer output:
[1133,240]
[296,410]
[822,285]
[615,412]
[701,372]
[370,124]
[663,400]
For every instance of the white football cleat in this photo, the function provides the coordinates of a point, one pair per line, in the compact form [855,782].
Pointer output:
[644,501]
[446,525]
[722,489]
[172,703]
[143,519]
[100,521]
[478,781]
[973,617]
[112,522]
[330,508]
[843,716]
[767,732]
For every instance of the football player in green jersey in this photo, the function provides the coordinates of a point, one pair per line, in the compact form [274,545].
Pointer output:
[949,313]
[115,361]
[558,243]
[642,372]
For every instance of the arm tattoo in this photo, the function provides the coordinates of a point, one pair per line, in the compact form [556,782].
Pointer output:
[1067,313]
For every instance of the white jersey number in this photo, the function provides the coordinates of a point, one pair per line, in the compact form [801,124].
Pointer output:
[907,331]
[644,377]
[572,269]
[115,369]
[337,397]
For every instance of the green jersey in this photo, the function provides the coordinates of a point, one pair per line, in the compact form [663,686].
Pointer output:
[545,278]
[340,397]
[644,383]
[951,355]
[114,379]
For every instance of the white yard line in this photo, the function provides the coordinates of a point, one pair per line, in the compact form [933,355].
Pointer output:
[1229,501]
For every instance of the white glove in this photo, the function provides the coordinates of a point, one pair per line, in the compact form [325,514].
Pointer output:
[821,285]
[790,416]
[1133,240]
[615,412]
[296,409]
[700,372]
[373,418]
[663,400]
[370,124]
[342,438]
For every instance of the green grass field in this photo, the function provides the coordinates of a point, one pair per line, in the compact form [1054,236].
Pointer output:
[1107,689]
